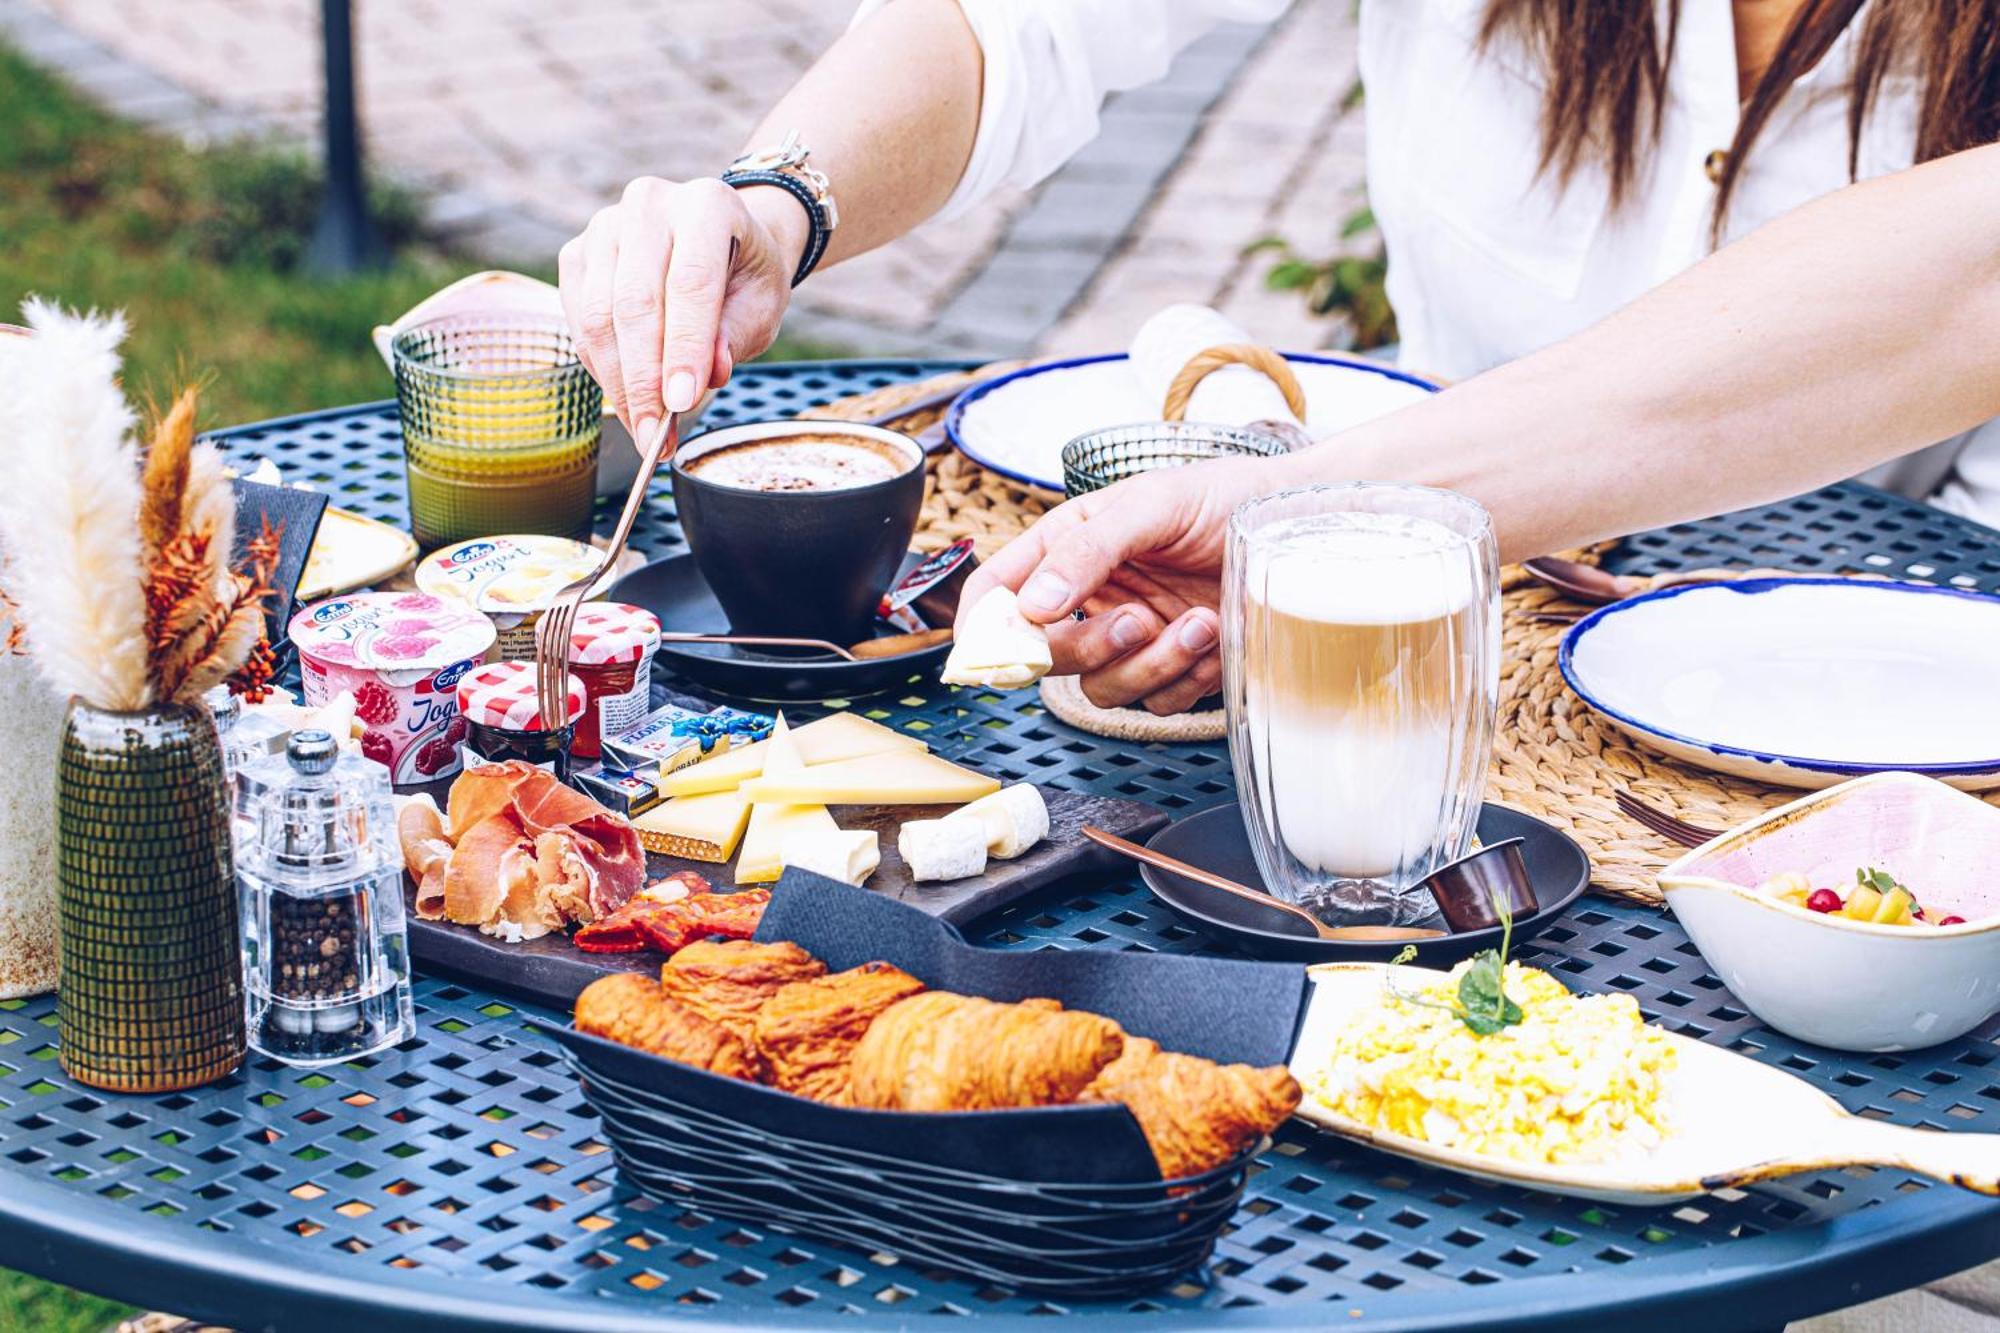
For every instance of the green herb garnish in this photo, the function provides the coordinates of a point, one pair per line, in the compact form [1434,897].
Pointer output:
[1879,880]
[1482,1004]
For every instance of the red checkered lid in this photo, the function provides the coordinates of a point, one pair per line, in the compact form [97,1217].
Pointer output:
[502,695]
[607,633]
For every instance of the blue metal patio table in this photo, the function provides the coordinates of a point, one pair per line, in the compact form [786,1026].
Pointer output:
[458,1181]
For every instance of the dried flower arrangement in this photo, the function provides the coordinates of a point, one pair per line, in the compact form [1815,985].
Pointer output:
[120,562]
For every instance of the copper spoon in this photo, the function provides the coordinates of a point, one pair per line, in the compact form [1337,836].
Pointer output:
[1585,583]
[1161,861]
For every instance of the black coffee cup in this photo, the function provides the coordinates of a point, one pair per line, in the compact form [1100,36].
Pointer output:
[799,563]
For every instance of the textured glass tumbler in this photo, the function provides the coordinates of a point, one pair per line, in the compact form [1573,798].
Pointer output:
[1361,671]
[1101,457]
[500,429]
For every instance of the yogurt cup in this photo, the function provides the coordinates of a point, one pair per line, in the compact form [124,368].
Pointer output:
[401,655]
[511,580]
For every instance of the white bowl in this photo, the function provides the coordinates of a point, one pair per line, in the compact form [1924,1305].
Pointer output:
[1852,985]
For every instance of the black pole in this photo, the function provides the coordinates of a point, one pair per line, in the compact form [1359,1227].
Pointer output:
[344,239]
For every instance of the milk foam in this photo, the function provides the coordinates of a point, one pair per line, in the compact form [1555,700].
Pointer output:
[1362,569]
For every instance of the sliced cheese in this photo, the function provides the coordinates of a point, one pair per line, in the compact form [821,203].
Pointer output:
[772,823]
[903,778]
[699,828]
[833,738]
[1014,818]
[942,848]
[848,855]
[994,644]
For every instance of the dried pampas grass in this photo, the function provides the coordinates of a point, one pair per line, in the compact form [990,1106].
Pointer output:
[69,496]
[121,572]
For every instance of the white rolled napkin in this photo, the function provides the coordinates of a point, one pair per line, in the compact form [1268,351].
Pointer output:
[1231,396]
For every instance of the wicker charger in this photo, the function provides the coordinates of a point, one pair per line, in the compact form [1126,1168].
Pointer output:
[1552,757]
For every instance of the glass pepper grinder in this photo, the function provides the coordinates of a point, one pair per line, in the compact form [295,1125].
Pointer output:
[326,963]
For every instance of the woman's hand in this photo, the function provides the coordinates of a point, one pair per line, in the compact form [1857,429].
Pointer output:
[668,289]
[1143,560]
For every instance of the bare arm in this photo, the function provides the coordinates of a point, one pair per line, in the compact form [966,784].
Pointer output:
[1849,332]
[890,113]
[1854,330]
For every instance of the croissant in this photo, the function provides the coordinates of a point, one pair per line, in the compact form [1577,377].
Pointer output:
[1196,1114]
[727,981]
[806,1033]
[631,1009]
[943,1052]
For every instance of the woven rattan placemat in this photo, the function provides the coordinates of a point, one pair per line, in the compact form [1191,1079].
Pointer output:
[1552,757]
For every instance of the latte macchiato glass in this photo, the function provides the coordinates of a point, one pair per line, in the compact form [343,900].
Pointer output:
[1361,667]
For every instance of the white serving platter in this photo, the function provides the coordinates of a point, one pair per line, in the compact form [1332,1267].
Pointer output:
[1017,424]
[1732,1120]
[1802,682]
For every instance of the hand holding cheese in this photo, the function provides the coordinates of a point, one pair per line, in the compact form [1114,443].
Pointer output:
[994,645]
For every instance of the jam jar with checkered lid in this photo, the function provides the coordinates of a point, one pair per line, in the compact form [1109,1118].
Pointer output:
[319,874]
[503,718]
[611,652]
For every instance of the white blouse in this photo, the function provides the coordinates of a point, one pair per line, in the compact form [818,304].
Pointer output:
[1488,261]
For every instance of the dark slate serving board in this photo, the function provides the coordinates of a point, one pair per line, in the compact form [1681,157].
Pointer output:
[551,970]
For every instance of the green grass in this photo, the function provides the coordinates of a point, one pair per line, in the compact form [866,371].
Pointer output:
[201,250]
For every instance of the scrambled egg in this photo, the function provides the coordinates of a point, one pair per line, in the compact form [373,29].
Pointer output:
[1580,1079]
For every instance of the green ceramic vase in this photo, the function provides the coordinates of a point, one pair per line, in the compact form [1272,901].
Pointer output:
[150,997]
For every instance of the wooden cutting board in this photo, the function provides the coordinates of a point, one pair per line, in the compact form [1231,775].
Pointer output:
[551,970]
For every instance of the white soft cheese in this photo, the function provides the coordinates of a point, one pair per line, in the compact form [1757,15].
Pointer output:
[848,855]
[943,848]
[994,645]
[1015,818]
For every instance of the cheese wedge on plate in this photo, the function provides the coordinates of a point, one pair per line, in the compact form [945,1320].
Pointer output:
[699,828]
[833,738]
[993,644]
[774,823]
[903,777]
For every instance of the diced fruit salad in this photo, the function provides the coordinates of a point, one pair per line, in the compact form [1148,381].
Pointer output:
[1875,896]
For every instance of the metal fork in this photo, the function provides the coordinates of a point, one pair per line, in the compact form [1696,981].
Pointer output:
[552,632]
[1670,827]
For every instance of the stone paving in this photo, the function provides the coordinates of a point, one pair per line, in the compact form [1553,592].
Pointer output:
[516,119]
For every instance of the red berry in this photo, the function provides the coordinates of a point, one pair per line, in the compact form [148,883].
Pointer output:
[374,703]
[375,745]
[1953,920]
[1823,900]
[454,730]
[436,756]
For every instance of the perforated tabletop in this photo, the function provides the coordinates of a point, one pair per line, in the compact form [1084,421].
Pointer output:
[458,1181]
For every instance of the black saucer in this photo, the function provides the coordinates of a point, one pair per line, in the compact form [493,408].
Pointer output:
[1215,840]
[674,590]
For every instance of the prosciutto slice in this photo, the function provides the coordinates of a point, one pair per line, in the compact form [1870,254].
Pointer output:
[518,854]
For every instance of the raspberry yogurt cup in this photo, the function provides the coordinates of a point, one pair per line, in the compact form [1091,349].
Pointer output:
[401,655]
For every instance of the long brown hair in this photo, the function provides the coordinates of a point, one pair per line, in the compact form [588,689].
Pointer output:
[1606,67]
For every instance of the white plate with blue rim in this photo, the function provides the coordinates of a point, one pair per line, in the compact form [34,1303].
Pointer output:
[1017,424]
[1801,682]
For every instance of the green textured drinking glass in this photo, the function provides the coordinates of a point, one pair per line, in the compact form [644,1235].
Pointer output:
[500,428]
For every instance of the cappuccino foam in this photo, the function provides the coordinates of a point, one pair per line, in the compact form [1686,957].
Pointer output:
[824,462]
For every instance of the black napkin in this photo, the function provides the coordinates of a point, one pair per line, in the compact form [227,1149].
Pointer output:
[1217,1008]
[292,513]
